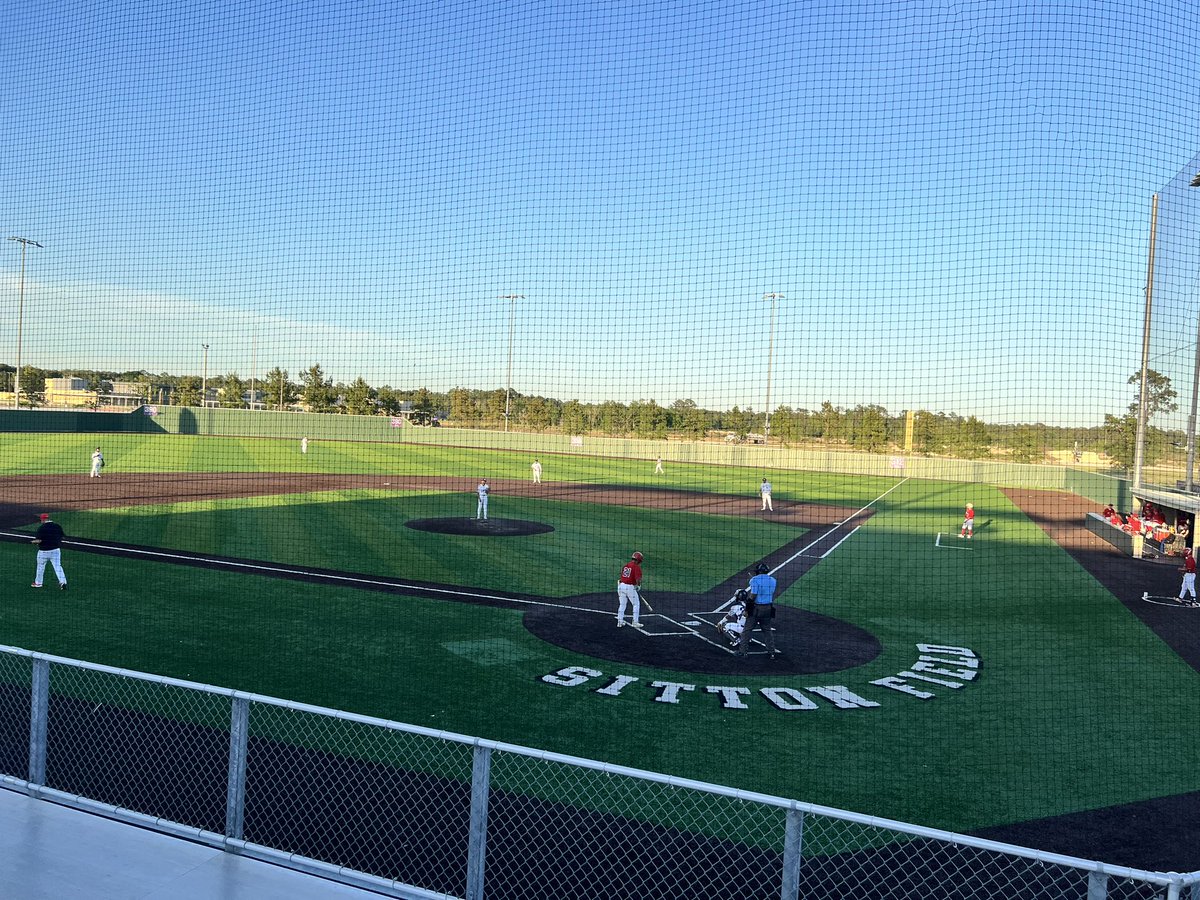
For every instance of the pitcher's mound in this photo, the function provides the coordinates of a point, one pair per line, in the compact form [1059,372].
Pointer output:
[482,527]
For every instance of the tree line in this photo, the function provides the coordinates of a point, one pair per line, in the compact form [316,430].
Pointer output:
[867,427]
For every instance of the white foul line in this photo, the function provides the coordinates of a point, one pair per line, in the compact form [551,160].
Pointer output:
[349,579]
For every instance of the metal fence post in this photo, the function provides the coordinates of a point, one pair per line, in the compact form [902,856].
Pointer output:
[793,847]
[1097,886]
[481,779]
[235,794]
[39,718]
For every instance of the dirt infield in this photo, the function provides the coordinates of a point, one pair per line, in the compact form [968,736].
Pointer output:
[22,497]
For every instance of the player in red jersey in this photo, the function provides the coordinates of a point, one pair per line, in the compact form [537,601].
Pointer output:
[1189,577]
[968,525]
[627,590]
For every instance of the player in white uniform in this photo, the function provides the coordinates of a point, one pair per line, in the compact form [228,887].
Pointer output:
[734,622]
[97,463]
[765,490]
[482,490]
[537,471]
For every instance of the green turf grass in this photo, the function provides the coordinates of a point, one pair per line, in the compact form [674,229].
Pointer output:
[1077,705]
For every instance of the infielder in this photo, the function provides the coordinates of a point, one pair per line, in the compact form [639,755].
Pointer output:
[1189,575]
[968,525]
[482,490]
[537,471]
[627,590]
[765,490]
[49,538]
[97,463]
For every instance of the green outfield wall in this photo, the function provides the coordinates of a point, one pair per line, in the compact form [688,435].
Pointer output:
[317,427]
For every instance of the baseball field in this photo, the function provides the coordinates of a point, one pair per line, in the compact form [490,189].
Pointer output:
[1013,685]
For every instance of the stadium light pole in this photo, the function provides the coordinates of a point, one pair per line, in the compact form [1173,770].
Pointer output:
[774,298]
[25,244]
[204,380]
[512,316]
[1191,427]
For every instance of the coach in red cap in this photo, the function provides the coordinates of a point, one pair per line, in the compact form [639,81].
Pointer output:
[49,538]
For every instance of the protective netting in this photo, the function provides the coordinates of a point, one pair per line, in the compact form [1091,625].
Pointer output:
[360,347]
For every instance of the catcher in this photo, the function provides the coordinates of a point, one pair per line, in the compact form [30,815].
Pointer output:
[734,621]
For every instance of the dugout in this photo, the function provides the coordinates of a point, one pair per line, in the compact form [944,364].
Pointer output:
[1176,505]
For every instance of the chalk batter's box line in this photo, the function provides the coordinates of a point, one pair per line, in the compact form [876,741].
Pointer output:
[1171,601]
[937,542]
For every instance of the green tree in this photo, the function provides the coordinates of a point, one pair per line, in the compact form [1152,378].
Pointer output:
[230,395]
[317,392]
[649,420]
[572,420]
[187,391]
[463,409]
[931,432]
[831,422]
[1160,396]
[868,428]
[360,398]
[970,439]
[613,418]
[536,413]
[688,419]
[278,391]
[1027,444]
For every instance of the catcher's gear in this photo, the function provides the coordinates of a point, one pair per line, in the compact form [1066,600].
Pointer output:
[742,595]
[762,569]
[637,556]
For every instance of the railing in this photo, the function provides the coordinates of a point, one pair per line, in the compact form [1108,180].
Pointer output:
[418,813]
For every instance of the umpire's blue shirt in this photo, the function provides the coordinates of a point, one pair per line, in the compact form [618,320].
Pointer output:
[763,589]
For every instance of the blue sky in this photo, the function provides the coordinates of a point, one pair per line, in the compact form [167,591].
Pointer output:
[954,198]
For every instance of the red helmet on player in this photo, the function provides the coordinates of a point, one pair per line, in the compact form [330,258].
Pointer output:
[637,557]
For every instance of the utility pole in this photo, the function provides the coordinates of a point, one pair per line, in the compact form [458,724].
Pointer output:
[512,316]
[25,243]
[774,298]
[204,382]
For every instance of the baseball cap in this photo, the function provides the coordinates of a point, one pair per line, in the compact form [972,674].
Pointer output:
[44,516]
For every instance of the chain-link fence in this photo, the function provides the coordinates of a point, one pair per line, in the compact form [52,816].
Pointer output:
[414,812]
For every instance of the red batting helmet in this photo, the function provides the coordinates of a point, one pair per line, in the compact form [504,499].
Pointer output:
[637,557]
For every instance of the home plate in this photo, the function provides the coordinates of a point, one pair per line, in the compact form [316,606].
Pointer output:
[694,622]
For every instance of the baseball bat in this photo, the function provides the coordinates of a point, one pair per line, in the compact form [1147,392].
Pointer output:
[647,602]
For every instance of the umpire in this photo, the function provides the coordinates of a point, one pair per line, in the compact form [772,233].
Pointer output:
[761,611]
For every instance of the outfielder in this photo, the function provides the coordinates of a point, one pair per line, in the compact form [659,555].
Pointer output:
[1189,575]
[968,526]
[627,590]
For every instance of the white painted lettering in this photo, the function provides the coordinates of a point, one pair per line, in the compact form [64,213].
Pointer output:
[730,696]
[571,676]
[787,699]
[669,692]
[842,697]
[897,685]
[964,674]
[931,680]
[949,651]
[967,662]
[614,687]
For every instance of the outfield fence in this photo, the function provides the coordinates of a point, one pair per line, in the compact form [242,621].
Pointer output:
[417,813]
